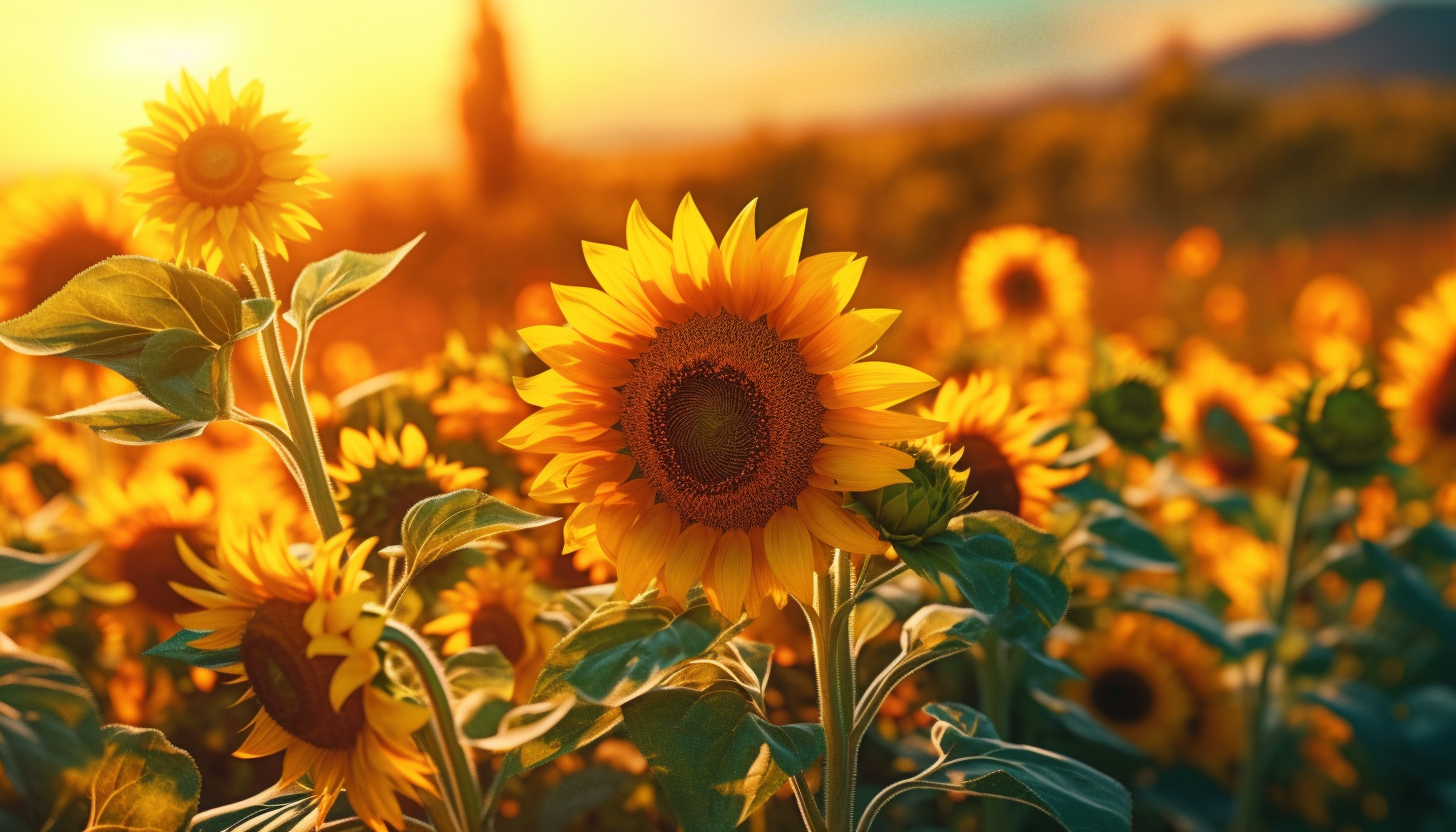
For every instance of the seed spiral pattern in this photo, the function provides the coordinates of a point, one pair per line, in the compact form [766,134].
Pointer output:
[293,688]
[218,165]
[723,418]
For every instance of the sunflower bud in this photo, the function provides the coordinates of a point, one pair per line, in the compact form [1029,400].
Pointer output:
[906,514]
[1342,427]
[1131,412]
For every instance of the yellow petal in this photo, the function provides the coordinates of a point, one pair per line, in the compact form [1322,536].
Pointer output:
[830,522]
[687,559]
[356,448]
[329,645]
[344,611]
[872,384]
[747,293]
[696,259]
[266,738]
[779,249]
[412,446]
[860,465]
[600,317]
[651,253]
[568,353]
[613,269]
[846,339]
[353,673]
[645,549]
[367,632]
[878,425]
[819,293]
[217,619]
[732,571]
[789,549]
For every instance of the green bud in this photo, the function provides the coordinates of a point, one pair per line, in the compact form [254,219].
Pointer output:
[1131,412]
[908,513]
[1351,433]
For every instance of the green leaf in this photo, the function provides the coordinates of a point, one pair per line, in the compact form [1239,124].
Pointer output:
[1186,614]
[177,647]
[165,328]
[328,284]
[290,808]
[445,523]
[937,630]
[49,732]
[716,760]
[1076,719]
[1040,582]
[143,782]
[482,683]
[1118,539]
[974,762]
[133,419]
[25,576]
[519,726]
[1410,592]
[618,656]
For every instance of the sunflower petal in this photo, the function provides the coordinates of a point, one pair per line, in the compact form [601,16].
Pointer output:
[872,384]
[789,549]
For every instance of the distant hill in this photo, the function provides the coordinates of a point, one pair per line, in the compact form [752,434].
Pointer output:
[1402,41]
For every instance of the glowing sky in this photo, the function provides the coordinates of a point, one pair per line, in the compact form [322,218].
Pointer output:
[379,80]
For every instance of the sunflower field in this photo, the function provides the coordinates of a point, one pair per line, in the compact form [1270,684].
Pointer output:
[1088,465]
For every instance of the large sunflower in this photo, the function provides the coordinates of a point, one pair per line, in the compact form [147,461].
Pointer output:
[216,174]
[495,605]
[1008,470]
[709,409]
[379,479]
[1420,387]
[53,229]
[1221,412]
[309,653]
[1023,280]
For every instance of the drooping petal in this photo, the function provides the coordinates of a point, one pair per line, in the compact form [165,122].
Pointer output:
[732,571]
[830,522]
[789,549]
[687,559]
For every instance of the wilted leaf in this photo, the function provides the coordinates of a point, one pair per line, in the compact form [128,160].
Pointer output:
[330,283]
[25,576]
[715,759]
[177,647]
[143,782]
[445,523]
[133,419]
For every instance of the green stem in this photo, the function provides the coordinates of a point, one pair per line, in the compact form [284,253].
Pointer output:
[813,819]
[826,673]
[995,680]
[1250,787]
[884,797]
[842,664]
[457,769]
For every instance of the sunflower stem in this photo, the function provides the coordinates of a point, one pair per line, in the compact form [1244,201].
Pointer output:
[456,767]
[1251,777]
[995,679]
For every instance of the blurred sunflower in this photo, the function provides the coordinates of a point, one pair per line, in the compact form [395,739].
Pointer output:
[216,174]
[310,657]
[1007,469]
[471,408]
[708,412]
[52,230]
[54,460]
[1024,281]
[1420,387]
[1237,562]
[379,479]
[495,605]
[1195,253]
[1331,322]
[1126,398]
[1221,411]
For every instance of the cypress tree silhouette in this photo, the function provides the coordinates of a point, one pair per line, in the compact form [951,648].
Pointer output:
[489,110]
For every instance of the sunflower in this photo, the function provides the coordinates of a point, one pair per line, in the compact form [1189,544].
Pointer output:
[1237,562]
[1023,280]
[216,174]
[495,605]
[380,479]
[709,413]
[1331,322]
[1126,398]
[1420,385]
[53,229]
[49,461]
[309,652]
[1221,411]
[1162,689]
[1008,470]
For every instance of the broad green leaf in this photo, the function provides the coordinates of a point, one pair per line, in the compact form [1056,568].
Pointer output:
[177,647]
[639,647]
[482,682]
[1186,614]
[446,523]
[143,782]
[1076,719]
[974,762]
[25,576]
[936,631]
[1118,539]
[1039,588]
[176,371]
[290,808]
[49,732]
[330,283]
[519,726]
[133,419]
[716,760]
[1409,591]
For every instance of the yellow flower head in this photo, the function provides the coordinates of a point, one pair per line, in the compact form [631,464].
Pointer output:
[1008,470]
[494,606]
[1236,561]
[1420,385]
[1331,323]
[308,651]
[1160,688]
[1022,280]
[55,228]
[709,410]
[1221,412]
[216,174]
[379,479]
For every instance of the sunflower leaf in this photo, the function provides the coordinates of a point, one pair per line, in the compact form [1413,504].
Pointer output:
[25,576]
[446,523]
[291,808]
[328,284]
[178,647]
[143,782]
[133,419]
[1186,614]
[716,760]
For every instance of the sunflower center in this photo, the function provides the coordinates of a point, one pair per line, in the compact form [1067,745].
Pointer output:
[494,624]
[151,564]
[292,688]
[218,165]
[1131,412]
[990,476]
[63,256]
[378,502]
[1228,443]
[723,417]
[1443,414]
[1122,695]
[1022,290]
